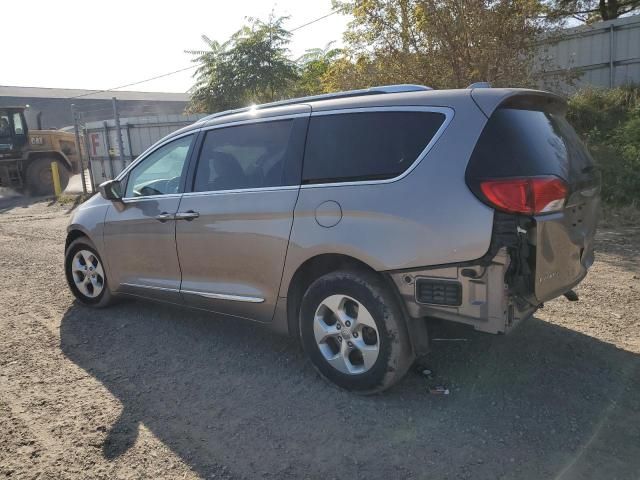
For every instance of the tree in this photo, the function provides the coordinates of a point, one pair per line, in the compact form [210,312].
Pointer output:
[441,43]
[251,67]
[591,10]
[312,69]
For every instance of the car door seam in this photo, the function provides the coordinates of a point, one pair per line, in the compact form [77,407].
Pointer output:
[293,212]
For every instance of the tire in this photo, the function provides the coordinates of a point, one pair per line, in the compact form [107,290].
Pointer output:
[38,177]
[363,300]
[91,291]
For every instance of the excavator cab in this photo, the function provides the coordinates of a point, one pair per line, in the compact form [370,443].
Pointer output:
[13,132]
[26,156]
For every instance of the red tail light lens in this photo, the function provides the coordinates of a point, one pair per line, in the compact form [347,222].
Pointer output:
[526,195]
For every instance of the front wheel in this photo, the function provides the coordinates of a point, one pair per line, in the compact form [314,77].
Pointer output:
[354,331]
[39,180]
[86,274]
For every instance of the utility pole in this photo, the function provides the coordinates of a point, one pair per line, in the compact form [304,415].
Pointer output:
[74,113]
[116,116]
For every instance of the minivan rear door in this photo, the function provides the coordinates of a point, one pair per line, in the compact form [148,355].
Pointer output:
[233,227]
[564,241]
[529,137]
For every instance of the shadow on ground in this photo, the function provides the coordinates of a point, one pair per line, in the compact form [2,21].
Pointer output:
[10,200]
[544,402]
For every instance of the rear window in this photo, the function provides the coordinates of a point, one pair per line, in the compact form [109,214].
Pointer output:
[366,145]
[519,142]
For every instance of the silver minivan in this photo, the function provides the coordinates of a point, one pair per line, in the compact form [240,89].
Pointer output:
[349,220]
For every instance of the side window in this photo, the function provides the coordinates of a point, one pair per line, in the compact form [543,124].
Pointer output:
[161,172]
[5,126]
[366,145]
[17,124]
[254,155]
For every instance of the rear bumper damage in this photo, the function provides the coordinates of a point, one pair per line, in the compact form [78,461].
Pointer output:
[531,260]
[476,295]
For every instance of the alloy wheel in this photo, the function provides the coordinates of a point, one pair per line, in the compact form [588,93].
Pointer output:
[346,334]
[88,274]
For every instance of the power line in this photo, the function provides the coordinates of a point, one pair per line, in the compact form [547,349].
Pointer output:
[93,92]
[314,21]
[192,66]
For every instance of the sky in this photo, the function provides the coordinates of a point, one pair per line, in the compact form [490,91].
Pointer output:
[100,45]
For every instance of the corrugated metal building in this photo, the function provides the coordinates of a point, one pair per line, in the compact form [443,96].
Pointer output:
[604,54]
[55,103]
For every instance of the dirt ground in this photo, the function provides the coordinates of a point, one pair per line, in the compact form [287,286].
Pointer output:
[144,390]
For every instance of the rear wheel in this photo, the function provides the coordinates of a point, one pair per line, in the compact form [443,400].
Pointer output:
[354,332]
[86,274]
[39,180]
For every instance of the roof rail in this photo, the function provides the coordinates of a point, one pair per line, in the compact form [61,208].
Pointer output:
[383,89]
[479,85]
[398,88]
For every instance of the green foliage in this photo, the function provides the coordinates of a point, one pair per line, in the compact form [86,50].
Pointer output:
[312,70]
[609,121]
[441,43]
[590,11]
[251,67]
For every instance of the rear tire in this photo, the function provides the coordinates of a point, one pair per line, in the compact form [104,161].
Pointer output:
[39,180]
[354,331]
[86,274]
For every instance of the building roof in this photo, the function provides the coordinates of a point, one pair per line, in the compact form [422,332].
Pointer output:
[39,92]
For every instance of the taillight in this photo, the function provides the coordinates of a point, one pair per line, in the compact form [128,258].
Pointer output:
[529,195]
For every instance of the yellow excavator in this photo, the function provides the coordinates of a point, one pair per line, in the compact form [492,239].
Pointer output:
[26,155]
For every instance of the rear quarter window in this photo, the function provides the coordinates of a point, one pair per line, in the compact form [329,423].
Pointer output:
[366,145]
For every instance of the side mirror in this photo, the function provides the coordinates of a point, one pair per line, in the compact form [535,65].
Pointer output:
[111,190]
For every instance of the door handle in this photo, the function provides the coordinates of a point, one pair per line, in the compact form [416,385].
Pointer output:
[188,215]
[163,217]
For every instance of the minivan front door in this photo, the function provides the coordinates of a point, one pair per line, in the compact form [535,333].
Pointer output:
[233,242]
[139,232]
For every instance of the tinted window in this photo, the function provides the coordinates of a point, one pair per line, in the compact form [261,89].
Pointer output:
[5,126]
[160,172]
[17,124]
[528,142]
[262,154]
[366,146]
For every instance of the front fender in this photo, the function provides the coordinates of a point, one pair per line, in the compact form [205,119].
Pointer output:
[88,219]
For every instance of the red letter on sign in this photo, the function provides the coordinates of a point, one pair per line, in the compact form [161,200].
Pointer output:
[94,143]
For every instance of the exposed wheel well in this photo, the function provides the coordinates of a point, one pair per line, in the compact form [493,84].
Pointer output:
[71,236]
[307,273]
[320,265]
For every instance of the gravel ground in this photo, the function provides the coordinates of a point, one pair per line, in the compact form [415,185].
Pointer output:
[144,390]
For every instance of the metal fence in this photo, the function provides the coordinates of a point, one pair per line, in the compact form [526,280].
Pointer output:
[112,144]
[605,54]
